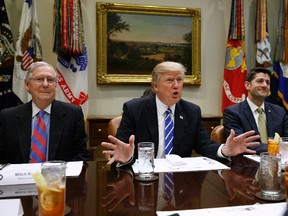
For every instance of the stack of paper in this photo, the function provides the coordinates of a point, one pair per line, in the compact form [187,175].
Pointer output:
[21,173]
[177,164]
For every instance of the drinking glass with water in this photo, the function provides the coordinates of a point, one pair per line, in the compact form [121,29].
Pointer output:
[146,161]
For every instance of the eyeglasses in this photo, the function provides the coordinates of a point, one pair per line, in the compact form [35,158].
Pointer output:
[41,80]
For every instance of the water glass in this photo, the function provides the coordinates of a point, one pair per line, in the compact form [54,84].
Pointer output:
[146,161]
[286,181]
[283,150]
[270,173]
[51,198]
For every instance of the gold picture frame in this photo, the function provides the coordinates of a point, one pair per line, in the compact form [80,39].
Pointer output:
[131,60]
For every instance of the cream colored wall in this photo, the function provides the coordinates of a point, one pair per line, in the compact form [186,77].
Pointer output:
[108,100]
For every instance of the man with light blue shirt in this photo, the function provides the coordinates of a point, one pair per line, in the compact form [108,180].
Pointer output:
[60,130]
[244,116]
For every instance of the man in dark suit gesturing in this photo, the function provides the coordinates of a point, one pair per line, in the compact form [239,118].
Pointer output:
[243,116]
[65,137]
[143,120]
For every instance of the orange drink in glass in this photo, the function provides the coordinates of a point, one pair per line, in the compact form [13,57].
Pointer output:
[273,145]
[51,200]
[51,188]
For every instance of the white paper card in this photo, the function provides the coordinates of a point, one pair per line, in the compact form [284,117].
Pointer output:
[175,160]
[18,190]
[275,209]
[21,173]
[253,157]
[184,165]
[11,207]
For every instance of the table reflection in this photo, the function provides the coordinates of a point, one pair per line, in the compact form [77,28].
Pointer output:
[241,182]
[119,187]
[101,190]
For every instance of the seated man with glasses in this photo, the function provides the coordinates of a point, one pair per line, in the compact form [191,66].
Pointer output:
[57,133]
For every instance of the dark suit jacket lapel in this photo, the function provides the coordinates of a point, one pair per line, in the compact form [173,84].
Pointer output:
[23,128]
[152,120]
[180,120]
[249,115]
[57,124]
[269,120]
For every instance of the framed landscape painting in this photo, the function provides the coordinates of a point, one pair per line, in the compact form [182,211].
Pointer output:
[133,39]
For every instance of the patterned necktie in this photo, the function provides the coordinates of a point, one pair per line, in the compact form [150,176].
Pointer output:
[169,132]
[39,140]
[169,185]
[169,135]
[262,125]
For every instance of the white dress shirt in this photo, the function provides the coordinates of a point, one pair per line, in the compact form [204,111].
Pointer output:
[253,107]
[161,114]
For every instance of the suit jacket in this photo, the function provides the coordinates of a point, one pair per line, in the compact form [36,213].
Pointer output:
[240,118]
[67,140]
[140,118]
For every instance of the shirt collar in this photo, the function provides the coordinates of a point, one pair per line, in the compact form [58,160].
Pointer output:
[35,109]
[161,107]
[253,107]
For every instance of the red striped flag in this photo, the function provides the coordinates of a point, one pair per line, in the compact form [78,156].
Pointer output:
[27,60]
[72,61]
[235,61]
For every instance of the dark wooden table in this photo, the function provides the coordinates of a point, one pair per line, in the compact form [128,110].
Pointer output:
[101,190]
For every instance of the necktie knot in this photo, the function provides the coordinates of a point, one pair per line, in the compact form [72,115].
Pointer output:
[41,113]
[260,110]
[168,112]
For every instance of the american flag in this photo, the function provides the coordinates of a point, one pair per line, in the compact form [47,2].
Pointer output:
[27,59]
[28,48]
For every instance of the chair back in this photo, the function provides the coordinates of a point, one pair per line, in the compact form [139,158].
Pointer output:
[218,134]
[113,125]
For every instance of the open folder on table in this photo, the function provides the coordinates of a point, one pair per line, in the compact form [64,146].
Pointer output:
[275,209]
[21,173]
[174,163]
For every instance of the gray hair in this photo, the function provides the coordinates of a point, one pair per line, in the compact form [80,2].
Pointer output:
[167,66]
[37,64]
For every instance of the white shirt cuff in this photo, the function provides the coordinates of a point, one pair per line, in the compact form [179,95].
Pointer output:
[118,165]
[219,153]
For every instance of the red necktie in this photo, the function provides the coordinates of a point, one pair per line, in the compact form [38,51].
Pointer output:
[39,140]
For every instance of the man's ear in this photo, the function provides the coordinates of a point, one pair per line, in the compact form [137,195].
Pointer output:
[247,85]
[154,87]
[27,86]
